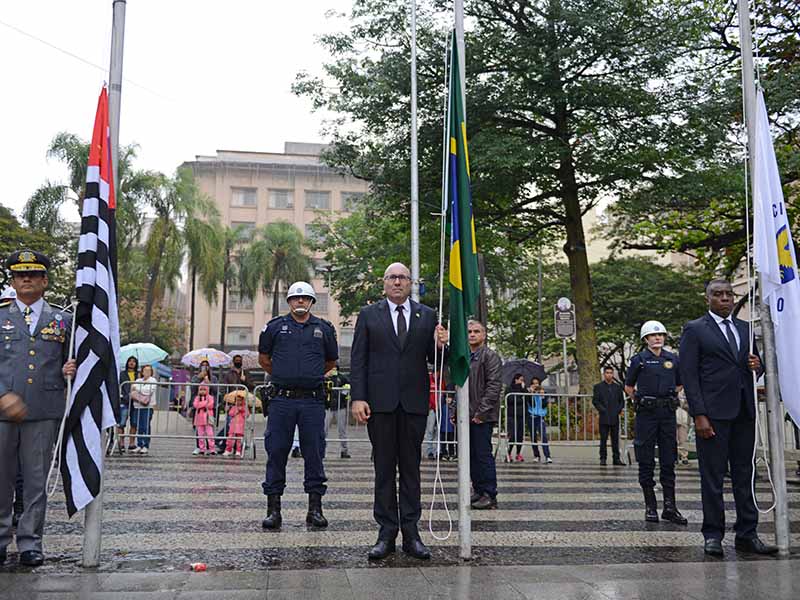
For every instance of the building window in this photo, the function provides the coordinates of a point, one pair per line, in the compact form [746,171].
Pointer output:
[248,229]
[351,200]
[346,337]
[314,233]
[281,199]
[318,200]
[283,306]
[321,305]
[239,336]
[238,303]
[243,196]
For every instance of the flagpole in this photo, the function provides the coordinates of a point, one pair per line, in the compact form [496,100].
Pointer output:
[93,515]
[414,160]
[462,393]
[774,410]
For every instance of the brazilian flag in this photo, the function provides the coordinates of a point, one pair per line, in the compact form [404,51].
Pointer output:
[463,249]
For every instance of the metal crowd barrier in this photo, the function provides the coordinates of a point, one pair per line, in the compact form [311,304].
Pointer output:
[168,416]
[570,420]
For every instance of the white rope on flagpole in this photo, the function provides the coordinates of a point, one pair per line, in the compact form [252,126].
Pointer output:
[438,363]
[751,298]
[58,449]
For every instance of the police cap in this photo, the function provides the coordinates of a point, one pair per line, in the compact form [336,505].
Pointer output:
[23,261]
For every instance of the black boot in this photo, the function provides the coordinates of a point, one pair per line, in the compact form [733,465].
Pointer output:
[650,505]
[315,517]
[273,519]
[671,512]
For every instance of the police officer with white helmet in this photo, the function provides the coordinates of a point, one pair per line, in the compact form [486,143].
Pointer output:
[296,350]
[653,383]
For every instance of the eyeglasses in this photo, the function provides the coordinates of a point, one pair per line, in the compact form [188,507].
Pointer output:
[396,278]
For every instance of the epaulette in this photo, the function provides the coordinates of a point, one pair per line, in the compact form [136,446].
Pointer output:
[327,323]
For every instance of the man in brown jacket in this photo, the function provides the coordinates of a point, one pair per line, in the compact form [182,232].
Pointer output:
[485,386]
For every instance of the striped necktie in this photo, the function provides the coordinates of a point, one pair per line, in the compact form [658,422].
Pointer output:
[28,314]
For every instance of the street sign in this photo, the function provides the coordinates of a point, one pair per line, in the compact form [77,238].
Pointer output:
[564,317]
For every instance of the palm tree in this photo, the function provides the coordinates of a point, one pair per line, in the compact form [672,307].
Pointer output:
[274,259]
[231,239]
[204,250]
[175,201]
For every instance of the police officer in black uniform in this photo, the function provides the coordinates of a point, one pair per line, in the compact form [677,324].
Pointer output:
[654,372]
[296,350]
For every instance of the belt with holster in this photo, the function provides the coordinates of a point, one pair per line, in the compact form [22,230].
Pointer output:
[298,392]
[653,402]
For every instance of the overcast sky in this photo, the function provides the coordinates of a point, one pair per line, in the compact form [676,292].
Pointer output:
[198,76]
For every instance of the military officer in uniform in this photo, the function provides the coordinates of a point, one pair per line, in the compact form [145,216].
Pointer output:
[33,366]
[296,350]
[654,373]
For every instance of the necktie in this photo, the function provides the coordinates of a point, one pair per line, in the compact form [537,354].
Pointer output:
[28,314]
[731,338]
[402,330]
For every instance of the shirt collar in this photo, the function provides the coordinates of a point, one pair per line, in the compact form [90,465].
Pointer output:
[36,307]
[718,320]
[406,306]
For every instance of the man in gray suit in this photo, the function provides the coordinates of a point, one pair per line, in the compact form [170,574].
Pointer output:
[33,366]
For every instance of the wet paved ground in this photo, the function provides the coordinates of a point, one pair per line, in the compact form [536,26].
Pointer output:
[572,529]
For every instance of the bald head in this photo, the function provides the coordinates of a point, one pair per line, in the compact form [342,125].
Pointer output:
[397,282]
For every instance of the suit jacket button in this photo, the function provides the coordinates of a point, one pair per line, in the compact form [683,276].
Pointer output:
[33,339]
[30,380]
[31,366]
[32,352]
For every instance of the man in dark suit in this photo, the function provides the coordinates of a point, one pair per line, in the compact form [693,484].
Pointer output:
[609,401]
[393,343]
[715,369]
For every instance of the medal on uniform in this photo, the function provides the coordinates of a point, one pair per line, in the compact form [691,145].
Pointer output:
[8,325]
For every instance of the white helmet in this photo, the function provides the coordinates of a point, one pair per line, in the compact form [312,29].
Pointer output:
[301,288]
[651,327]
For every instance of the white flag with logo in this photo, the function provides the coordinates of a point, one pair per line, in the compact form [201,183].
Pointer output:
[776,262]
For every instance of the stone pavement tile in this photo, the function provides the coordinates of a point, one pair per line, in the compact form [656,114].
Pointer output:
[227,580]
[29,582]
[467,591]
[329,593]
[127,595]
[307,579]
[387,578]
[534,574]
[452,575]
[558,591]
[644,590]
[144,582]
[225,595]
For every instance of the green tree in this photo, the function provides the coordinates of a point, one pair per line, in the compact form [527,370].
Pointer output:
[232,243]
[174,201]
[627,292]
[204,246]
[697,205]
[566,104]
[273,260]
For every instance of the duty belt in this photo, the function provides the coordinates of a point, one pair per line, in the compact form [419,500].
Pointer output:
[657,402]
[298,392]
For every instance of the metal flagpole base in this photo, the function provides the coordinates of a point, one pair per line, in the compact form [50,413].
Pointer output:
[464,476]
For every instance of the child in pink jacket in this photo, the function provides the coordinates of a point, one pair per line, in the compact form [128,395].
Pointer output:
[238,414]
[204,420]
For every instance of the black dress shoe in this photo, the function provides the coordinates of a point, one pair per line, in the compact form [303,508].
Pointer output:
[382,549]
[755,546]
[713,547]
[618,463]
[485,502]
[603,462]
[416,549]
[31,558]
